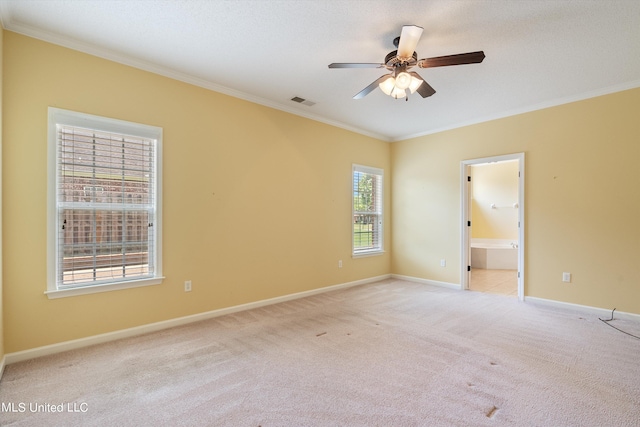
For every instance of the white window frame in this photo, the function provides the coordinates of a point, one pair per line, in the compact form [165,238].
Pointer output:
[71,118]
[378,249]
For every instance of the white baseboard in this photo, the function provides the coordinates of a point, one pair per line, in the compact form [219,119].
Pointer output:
[604,313]
[20,356]
[2,364]
[427,281]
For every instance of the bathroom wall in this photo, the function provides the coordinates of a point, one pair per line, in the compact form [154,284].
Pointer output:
[494,189]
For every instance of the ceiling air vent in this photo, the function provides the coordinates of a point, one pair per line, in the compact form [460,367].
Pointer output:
[303,101]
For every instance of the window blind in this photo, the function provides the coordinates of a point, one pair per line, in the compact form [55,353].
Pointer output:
[367,209]
[106,198]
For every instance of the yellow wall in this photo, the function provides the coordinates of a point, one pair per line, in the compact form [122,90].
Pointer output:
[257,202]
[582,199]
[1,225]
[494,184]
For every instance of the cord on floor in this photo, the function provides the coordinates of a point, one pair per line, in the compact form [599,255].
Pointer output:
[606,322]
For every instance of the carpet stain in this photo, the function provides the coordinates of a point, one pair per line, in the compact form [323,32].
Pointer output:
[494,364]
[492,412]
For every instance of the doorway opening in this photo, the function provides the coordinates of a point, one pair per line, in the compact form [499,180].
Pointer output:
[493,224]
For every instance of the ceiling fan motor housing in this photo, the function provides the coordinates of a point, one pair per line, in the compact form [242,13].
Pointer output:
[392,60]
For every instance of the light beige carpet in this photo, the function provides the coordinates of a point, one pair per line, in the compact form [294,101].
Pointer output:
[392,353]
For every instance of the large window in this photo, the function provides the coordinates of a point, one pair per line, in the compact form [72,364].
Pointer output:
[367,210]
[104,204]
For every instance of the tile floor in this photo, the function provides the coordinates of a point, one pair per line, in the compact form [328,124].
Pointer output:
[503,282]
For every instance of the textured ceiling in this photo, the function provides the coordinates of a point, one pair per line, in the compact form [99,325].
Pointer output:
[538,53]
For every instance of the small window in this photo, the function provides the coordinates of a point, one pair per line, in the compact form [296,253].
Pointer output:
[104,204]
[367,210]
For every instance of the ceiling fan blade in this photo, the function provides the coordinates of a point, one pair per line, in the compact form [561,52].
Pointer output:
[425,88]
[355,65]
[409,38]
[459,59]
[364,92]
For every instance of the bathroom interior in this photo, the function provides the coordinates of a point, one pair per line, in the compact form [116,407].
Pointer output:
[494,230]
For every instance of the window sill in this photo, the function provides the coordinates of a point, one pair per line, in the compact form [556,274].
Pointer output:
[94,289]
[368,253]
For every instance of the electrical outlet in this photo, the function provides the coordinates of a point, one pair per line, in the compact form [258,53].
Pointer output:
[443,263]
[566,277]
[187,286]
[339,263]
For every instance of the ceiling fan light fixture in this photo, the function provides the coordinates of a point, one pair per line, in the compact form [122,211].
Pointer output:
[403,80]
[398,93]
[388,85]
[396,87]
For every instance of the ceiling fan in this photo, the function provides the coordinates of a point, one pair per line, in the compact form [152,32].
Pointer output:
[400,61]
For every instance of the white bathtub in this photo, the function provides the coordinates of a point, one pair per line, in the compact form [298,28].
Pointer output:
[494,254]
